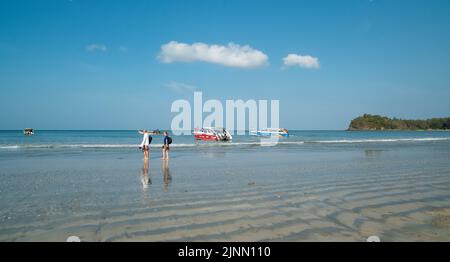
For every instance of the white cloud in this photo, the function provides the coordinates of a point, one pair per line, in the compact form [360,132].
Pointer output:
[306,61]
[232,55]
[96,47]
[181,88]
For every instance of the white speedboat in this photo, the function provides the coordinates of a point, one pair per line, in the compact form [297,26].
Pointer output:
[279,132]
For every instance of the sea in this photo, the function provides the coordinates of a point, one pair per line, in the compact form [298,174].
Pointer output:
[310,186]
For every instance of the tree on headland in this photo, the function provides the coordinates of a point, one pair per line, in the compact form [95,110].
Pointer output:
[377,122]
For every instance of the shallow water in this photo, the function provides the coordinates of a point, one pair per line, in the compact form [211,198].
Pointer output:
[313,186]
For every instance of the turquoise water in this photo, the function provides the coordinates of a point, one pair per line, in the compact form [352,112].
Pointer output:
[312,186]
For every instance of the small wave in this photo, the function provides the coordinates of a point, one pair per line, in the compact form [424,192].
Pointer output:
[100,146]
[50,146]
[9,147]
[262,142]
[383,140]
[93,146]
[217,144]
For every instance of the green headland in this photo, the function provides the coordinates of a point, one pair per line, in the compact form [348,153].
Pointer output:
[377,122]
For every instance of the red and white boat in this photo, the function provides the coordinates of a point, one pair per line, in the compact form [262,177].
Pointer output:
[212,134]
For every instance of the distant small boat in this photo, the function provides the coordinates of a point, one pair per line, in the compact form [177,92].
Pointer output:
[156,132]
[212,134]
[280,132]
[28,131]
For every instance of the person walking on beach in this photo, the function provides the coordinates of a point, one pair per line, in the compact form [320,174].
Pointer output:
[145,144]
[165,147]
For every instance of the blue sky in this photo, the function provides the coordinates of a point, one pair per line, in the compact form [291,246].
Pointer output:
[101,64]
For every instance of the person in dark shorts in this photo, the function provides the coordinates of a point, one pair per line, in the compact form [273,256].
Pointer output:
[165,147]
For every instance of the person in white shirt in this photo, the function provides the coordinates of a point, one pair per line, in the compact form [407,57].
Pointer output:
[145,144]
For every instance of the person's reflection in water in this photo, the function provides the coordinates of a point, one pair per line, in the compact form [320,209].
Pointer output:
[166,174]
[145,177]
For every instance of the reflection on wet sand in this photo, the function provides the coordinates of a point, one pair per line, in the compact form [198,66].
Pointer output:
[166,174]
[145,176]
